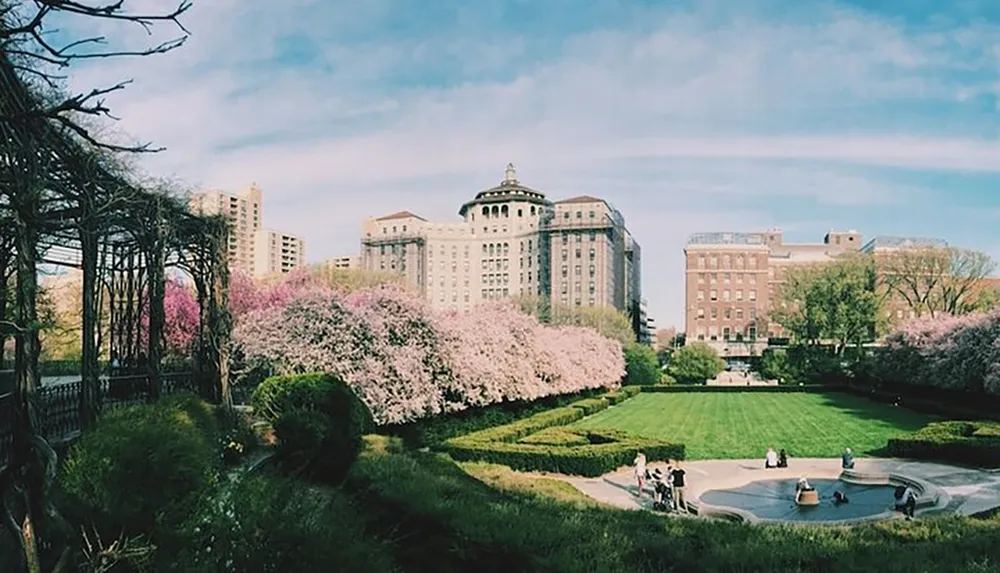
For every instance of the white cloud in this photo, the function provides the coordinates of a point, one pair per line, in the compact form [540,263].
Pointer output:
[679,124]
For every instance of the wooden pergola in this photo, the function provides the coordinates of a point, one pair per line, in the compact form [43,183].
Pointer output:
[65,201]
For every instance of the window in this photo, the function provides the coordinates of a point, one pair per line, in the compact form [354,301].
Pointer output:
[565,271]
[565,238]
[752,295]
[715,314]
[726,277]
[565,254]
[701,295]
[713,295]
[753,279]
[739,278]
[701,262]
[714,262]
[701,278]
[577,270]
[701,313]
[725,261]
[593,270]
[739,295]
[579,253]
[727,313]
[739,314]
[752,333]
[725,333]
[593,236]
[579,214]
[713,278]
[593,288]
[725,295]
[593,254]
[753,262]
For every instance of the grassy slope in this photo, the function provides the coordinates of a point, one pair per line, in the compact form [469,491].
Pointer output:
[440,519]
[743,425]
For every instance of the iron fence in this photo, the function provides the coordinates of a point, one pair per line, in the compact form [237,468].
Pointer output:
[59,405]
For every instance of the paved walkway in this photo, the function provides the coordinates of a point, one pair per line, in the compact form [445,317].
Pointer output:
[969,490]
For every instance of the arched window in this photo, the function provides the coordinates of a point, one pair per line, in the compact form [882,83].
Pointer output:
[505,211]
[486,211]
[520,212]
[491,250]
[506,249]
[494,211]
[484,248]
[532,210]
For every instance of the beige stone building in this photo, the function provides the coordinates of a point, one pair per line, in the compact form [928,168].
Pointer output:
[512,241]
[252,249]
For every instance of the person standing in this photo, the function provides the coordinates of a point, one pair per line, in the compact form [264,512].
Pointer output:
[639,464]
[677,481]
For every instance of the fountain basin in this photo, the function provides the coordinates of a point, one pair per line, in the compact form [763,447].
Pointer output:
[773,500]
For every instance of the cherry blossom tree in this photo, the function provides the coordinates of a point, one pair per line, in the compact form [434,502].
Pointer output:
[953,352]
[407,361]
[180,306]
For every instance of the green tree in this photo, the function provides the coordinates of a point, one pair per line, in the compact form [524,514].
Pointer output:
[774,365]
[936,280]
[641,365]
[837,304]
[696,363]
[609,321]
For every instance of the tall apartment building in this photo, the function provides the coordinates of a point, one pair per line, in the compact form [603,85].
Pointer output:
[512,241]
[252,249]
[276,252]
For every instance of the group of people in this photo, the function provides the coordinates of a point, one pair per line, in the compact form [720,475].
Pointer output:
[668,486]
[774,459]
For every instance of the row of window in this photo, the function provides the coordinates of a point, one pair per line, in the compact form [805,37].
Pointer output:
[727,313]
[579,237]
[565,300]
[578,270]
[579,215]
[577,287]
[728,334]
[579,254]
[712,262]
[727,295]
[502,211]
[727,278]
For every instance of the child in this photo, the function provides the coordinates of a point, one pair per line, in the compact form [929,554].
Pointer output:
[640,470]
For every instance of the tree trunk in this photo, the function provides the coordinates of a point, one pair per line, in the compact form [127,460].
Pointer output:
[156,290]
[89,359]
[221,325]
[5,256]
[27,348]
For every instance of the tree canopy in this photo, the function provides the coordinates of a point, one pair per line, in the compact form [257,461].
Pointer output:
[938,280]
[834,303]
[696,363]
[606,320]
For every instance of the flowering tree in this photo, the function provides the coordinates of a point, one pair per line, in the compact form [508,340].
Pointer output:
[954,352]
[407,362]
[182,316]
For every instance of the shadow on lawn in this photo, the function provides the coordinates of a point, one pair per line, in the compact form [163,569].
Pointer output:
[903,419]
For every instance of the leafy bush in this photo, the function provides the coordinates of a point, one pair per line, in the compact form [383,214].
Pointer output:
[275,524]
[140,466]
[432,431]
[642,367]
[774,365]
[696,363]
[667,380]
[603,451]
[591,405]
[318,420]
[974,443]
[556,437]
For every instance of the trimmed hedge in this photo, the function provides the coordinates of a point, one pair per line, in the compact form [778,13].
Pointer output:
[972,443]
[541,443]
[699,388]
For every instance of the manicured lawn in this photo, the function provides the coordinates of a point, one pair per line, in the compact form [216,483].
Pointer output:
[743,425]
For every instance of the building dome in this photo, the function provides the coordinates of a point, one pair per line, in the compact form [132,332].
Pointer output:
[510,189]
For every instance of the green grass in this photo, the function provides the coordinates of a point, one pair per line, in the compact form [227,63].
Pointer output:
[744,425]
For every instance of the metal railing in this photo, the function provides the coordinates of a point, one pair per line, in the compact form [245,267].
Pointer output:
[59,404]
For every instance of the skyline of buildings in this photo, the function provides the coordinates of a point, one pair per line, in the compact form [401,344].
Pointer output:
[731,279]
[253,248]
[512,241]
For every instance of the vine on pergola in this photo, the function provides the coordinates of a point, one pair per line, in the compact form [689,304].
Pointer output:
[63,189]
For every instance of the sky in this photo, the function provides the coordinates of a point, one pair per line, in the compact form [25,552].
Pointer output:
[740,115]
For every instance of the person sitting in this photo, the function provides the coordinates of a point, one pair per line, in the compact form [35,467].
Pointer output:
[847,460]
[770,459]
[782,458]
[803,485]
[905,501]
[839,498]
[805,494]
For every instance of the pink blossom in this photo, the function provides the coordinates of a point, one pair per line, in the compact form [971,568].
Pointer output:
[957,352]
[407,361]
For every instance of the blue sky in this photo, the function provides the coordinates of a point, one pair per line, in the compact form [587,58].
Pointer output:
[689,116]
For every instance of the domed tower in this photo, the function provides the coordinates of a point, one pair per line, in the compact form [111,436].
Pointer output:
[507,221]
